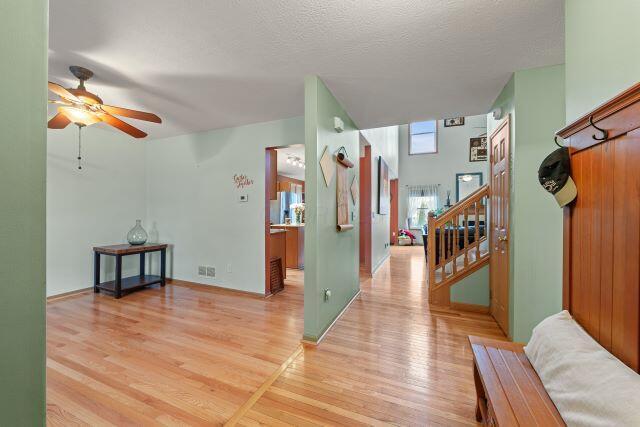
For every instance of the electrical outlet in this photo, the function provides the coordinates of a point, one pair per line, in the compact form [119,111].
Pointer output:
[229,268]
[202,271]
[211,272]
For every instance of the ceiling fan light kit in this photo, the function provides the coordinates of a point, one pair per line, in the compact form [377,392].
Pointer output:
[83,108]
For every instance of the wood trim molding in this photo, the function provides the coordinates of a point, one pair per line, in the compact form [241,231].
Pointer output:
[617,116]
[203,286]
[53,298]
[623,100]
[472,308]
[502,124]
[312,342]
[374,270]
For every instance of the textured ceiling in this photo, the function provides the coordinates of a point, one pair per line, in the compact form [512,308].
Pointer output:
[287,169]
[207,64]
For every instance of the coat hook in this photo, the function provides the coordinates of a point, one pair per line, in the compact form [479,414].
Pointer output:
[555,139]
[605,134]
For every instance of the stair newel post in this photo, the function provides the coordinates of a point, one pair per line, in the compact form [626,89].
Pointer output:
[431,253]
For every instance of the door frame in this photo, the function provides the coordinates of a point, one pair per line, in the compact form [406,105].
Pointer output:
[271,161]
[365,211]
[493,282]
[393,217]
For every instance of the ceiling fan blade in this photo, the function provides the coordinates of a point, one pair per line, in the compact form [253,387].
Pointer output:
[123,126]
[59,102]
[134,114]
[63,93]
[59,121]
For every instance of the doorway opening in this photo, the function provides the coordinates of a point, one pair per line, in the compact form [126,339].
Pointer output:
[284,218]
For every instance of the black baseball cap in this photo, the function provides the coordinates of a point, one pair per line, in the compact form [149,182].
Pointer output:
[554,176]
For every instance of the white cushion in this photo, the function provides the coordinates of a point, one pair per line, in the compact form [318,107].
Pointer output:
[588,385]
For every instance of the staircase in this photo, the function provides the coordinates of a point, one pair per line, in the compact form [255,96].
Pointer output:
[457,244]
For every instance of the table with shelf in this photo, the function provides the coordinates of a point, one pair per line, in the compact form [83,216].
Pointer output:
[121,285]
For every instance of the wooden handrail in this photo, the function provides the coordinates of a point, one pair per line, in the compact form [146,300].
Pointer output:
[462,204]
[449,259]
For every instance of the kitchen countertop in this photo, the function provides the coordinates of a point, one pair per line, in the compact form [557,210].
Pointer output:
[276,231]
[287,225]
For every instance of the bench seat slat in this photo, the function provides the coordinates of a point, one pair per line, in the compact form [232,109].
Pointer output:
[513,391]
[517,400]
[539,387]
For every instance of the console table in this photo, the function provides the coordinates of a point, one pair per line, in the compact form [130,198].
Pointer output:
[127,284]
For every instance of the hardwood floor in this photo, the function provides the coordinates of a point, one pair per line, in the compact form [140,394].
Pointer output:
[195,356]
[388,360]
[175,355]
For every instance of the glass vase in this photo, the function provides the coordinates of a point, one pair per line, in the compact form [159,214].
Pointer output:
[137,235]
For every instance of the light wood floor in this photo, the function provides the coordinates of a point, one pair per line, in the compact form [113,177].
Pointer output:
[388,360]
[173,355]
[188,355]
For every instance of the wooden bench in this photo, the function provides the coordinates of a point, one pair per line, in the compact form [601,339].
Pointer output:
[509,391]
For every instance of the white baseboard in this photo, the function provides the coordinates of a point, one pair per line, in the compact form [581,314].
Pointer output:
[386,257]
[326,331]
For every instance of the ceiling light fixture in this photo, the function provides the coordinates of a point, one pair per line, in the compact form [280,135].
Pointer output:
[79,115]
[295,161]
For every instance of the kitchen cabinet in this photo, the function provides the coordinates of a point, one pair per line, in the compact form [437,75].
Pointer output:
[290,186]
[294,244]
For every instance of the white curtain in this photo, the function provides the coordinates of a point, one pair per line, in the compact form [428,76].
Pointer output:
[420,200]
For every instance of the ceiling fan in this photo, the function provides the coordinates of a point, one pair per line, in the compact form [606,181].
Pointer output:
[83,108]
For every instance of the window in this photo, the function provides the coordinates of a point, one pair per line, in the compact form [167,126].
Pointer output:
[421,200]
[423,137]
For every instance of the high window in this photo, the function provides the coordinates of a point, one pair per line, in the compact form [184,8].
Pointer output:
[423,138]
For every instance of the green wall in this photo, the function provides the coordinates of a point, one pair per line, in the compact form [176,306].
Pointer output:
[601,41]
[473,289]
[331,258]
[23,115]
[535,100]
[536,217]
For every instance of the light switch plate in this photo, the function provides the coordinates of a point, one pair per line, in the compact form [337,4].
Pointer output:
[244,198]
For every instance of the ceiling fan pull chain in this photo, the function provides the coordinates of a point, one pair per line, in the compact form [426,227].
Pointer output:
[79,147]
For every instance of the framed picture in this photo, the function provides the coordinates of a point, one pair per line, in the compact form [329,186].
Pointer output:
[478,149]
[454,121]
[467,183]
[384,193]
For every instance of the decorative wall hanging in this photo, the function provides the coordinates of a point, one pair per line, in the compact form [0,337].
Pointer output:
[384,190]
[326,165]
[355,188]
[242,181]
[342,190]
[478,149]
[454,121]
